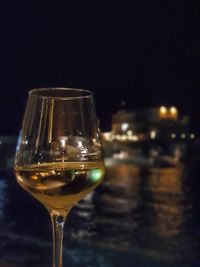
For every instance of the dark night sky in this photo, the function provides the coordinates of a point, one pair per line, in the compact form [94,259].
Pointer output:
[144,52]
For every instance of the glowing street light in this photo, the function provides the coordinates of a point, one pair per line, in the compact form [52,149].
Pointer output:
[124,126]
[173,112]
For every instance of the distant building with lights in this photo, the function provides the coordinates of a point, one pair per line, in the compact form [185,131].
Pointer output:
[149,124]
[148,131]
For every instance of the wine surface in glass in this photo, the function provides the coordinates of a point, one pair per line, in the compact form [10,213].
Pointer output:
[59,185]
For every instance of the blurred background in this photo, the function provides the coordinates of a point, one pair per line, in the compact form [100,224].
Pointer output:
[141,59]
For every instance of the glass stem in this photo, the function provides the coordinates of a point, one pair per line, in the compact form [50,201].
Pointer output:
[58,222]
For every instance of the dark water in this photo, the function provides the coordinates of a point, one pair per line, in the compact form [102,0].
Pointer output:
[137,217]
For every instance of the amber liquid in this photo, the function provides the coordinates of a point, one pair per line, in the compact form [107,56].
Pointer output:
[60,185]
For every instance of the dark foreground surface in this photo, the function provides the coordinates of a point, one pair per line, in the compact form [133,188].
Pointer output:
[137,217]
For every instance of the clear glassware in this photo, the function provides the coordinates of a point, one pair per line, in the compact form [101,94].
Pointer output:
[59,155]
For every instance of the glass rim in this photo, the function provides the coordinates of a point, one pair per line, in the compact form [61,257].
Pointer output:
[36,92]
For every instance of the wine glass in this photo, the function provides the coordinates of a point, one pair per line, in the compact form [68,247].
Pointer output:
[59,154]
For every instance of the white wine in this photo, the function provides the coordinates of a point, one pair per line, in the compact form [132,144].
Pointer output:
[60,125]
[60,185]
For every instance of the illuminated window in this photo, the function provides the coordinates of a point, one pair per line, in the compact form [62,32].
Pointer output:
[192,136]
[173,135]
[129,132]
[183,136]
[124,137]
[118,137]
[135,138]
[153,134]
